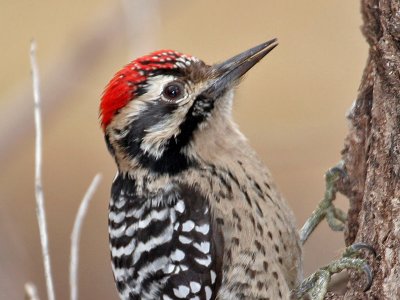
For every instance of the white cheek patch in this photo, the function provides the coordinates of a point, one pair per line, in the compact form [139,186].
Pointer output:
[158,135]
[138,105]
[129,113]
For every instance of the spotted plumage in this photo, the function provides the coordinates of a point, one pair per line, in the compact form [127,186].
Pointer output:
[193,213]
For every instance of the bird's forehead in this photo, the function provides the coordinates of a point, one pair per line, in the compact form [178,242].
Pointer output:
[129,82]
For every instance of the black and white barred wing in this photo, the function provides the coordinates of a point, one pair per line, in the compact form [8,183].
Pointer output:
[166,246]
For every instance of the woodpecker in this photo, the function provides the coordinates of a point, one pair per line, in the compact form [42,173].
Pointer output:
[194,213]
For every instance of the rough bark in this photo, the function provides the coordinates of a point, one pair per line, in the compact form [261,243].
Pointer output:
[372,154]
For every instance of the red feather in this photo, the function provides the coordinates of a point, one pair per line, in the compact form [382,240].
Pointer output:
[123,86]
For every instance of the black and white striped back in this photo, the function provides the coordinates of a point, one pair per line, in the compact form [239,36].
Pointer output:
[163,243]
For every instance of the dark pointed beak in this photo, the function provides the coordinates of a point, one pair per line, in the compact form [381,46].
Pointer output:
[229,72]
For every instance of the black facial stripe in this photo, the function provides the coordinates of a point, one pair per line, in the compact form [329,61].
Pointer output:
[172,161]
[142,87]
[187,127]
[168,72]
[169,163]
[108,143]
[151,115]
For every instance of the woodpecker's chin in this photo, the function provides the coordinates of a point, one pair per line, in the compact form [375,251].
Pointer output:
[229,72]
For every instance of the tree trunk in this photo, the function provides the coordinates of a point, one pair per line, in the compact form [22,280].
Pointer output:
[372,153]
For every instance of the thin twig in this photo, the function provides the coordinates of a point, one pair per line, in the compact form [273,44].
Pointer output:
[75,236]
[103,34]
[31,291]
[40,210]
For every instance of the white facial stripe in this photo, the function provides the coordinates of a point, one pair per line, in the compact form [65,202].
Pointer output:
[156,84]
[157,135]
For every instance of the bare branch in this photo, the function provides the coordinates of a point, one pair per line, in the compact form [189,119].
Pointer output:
[75,236]
[40,210]
[103,32]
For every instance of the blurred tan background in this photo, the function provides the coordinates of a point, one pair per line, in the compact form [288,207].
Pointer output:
[291,107]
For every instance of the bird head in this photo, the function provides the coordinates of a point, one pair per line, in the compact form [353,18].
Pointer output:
[152,108]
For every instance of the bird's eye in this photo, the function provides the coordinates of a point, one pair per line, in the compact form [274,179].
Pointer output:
[173,91]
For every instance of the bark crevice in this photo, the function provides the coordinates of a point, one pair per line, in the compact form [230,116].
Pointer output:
[372,153]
